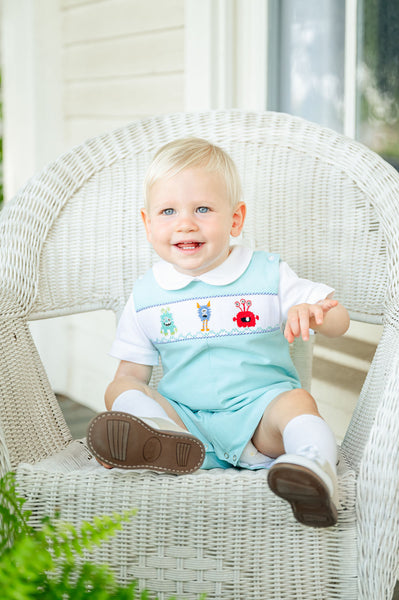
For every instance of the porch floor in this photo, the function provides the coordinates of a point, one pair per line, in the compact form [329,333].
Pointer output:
[76,415]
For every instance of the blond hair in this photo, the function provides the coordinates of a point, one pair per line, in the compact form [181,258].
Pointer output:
[187,153]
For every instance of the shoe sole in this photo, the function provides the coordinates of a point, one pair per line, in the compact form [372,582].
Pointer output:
[121,440]
[308,495]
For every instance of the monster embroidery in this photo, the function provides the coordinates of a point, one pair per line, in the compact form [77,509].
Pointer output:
[167,322]
[245,318]
[204,313]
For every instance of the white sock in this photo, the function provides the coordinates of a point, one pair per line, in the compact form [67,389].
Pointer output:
[138,404]
[310,430]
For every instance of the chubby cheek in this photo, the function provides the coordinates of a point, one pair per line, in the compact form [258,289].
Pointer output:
[158,232]
[148,231]
[221,234]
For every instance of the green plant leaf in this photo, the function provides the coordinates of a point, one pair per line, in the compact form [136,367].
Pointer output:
[46,564]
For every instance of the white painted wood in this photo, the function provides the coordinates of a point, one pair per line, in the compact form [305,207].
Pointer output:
[335,406]
[226,54]
[82,128]
[122,98]
[123,59]
[73,3]
[149,53]
[102,20]
[31,56]
[346,361]
[209,54]
[365,332]
[340,358]
[33,128]
[351,36]
[75,352]
[251,54]
[198,55]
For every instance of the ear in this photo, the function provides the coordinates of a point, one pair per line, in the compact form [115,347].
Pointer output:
[238,219]
[147,223]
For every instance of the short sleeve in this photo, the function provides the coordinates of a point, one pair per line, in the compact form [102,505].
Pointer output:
[131,343]
[294,290]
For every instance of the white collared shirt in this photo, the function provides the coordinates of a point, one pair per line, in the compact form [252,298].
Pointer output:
[231,269]
[132,344]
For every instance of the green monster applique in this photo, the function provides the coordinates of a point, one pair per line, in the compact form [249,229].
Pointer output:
[167,322]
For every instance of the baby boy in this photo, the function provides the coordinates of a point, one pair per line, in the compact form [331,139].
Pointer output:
[221,319]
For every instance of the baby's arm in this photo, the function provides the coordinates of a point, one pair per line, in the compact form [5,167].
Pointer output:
[328,317]
[128,376]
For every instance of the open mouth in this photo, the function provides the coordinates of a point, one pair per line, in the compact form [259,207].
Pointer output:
[189,246]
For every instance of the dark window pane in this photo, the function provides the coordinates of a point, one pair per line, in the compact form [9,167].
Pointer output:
[378,77]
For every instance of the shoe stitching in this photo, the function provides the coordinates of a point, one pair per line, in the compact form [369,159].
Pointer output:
[150,430]
[326,500]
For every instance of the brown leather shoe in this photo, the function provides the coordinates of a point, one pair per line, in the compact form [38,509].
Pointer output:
[118,439]
[310,488]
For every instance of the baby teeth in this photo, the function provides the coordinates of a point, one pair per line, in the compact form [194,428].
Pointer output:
[188,246]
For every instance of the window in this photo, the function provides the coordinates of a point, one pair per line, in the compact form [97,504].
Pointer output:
[307,59]
[320,63]
[378,77]
[335,62]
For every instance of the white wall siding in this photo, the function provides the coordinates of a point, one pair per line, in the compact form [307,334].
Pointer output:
[154,53]
[31,88]
[122,60]
[104,19]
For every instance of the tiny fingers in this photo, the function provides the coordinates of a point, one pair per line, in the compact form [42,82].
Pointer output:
[298,323]
[303,317]
[288,333]
[317,312]
[304,323]
[327,304]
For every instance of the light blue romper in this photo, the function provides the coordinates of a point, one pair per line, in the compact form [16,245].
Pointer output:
[223,353]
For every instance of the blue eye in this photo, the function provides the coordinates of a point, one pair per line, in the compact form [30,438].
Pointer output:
[168,211]
[202,209]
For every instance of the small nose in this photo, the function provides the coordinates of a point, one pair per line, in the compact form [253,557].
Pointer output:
[186,222]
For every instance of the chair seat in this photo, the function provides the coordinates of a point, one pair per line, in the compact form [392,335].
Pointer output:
[224,543]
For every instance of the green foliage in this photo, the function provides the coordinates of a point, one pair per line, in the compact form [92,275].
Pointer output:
[41,563]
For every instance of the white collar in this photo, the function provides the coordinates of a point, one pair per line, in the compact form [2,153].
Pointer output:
[231,269]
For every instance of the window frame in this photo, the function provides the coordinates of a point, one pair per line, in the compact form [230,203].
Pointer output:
[230,62]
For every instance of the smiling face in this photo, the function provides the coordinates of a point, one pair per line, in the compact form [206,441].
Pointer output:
[189,220]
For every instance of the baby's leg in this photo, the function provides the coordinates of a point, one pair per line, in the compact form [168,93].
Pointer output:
[143,431]
[305,472]
[268,437]
[131,395]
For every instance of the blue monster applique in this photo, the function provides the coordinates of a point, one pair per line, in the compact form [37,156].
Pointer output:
[204,313]
[167,322]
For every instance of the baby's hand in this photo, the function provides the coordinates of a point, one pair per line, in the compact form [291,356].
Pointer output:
[304,316]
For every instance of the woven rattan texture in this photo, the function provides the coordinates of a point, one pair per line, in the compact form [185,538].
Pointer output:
[72,241]
[215,531]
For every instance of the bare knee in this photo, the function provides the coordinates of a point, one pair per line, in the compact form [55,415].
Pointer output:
[268,437]
[291,404]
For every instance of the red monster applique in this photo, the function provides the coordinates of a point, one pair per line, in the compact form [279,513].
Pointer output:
[245,318]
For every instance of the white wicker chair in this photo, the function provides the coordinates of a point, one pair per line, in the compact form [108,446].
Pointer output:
[72,241]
